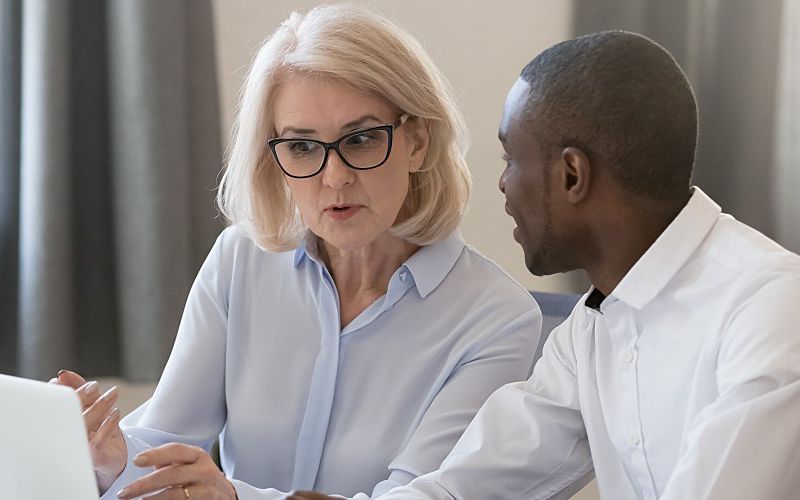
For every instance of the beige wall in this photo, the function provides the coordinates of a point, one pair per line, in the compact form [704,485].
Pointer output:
[481,50]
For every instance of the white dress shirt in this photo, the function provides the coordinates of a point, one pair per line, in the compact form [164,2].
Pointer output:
[302,403]
[683,384]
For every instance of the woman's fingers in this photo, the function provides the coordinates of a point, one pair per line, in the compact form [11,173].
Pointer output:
[99,411]
[165,477]
[176,493]
[88,393]
[70,379]
[308,495]
[107,429]
[172,453]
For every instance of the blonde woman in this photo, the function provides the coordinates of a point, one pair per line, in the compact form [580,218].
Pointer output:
[341,335]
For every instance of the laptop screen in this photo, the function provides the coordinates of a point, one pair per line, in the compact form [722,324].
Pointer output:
[44,452]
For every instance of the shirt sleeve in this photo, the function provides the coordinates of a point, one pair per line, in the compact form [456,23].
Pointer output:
[527,441]
[188,405]
[744,444]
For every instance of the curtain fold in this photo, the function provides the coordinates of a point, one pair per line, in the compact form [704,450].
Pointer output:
[730,51]
[10,74]
[118,149]
[787,139]
[45,236]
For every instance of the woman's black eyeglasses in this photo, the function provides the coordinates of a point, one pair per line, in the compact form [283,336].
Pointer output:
[361,150]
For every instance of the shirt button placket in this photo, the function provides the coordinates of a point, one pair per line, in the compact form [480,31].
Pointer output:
[629,356]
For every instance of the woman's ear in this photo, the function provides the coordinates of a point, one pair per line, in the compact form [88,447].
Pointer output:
[576,174]
[419,133]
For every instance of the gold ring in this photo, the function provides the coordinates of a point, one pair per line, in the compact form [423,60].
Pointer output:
[186,494]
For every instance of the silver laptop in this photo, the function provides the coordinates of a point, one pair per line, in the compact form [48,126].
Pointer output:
[44,453]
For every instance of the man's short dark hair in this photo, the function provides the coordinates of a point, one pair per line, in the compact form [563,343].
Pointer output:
[623,99]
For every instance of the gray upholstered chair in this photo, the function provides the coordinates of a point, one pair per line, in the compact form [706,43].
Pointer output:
[555,309]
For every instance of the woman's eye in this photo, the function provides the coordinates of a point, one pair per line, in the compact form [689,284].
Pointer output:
[361,139]
[302,147]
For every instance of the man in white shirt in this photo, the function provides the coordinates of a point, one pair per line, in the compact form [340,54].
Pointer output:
[678,375]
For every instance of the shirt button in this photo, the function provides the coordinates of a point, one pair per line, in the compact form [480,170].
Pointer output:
[633,439]
[403,275]
[628,356]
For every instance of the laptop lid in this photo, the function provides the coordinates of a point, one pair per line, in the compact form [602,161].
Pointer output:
[44,452]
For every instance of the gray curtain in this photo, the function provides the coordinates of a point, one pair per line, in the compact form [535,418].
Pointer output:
[787,137]
[742,59]
[110,149]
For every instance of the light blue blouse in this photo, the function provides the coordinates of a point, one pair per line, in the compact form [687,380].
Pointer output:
[260,359]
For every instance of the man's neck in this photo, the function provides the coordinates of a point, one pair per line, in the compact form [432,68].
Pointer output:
[624,236]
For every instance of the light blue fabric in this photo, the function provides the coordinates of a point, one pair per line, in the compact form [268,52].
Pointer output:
[304,404]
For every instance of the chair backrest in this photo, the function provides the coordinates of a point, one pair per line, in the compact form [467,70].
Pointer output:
[555,309]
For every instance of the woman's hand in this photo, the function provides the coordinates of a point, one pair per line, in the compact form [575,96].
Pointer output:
[182,472]
[309,495]
[106,444]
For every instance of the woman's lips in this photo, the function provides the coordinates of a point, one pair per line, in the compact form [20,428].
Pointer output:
[343,212]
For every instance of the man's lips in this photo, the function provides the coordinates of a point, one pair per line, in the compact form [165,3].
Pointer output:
[515,231]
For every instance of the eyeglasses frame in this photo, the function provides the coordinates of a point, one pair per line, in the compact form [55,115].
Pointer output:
[389,128]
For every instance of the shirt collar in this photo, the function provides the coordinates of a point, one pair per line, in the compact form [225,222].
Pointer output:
[428,266]
[667,255]
[431,263]
[306,248]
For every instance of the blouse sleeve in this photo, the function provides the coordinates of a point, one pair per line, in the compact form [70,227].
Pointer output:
[188,405]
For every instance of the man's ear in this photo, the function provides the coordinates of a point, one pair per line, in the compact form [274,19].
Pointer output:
[419,131]
[576,174]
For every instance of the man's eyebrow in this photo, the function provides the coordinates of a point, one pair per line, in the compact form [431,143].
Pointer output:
[351,125]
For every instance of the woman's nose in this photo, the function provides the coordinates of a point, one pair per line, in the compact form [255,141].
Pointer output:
[336,173]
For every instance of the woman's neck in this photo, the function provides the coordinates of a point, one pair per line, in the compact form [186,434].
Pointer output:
[369,267]
[362,275]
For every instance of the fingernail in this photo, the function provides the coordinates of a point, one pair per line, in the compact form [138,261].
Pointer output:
[92,388]
[60,372]
[110,393]
[140,459]
[121,493]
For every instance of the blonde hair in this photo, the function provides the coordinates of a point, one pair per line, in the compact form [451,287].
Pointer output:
[370,53]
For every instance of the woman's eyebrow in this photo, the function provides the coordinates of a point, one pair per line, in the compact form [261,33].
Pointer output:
[296,130]
[358,122]
[351,125]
